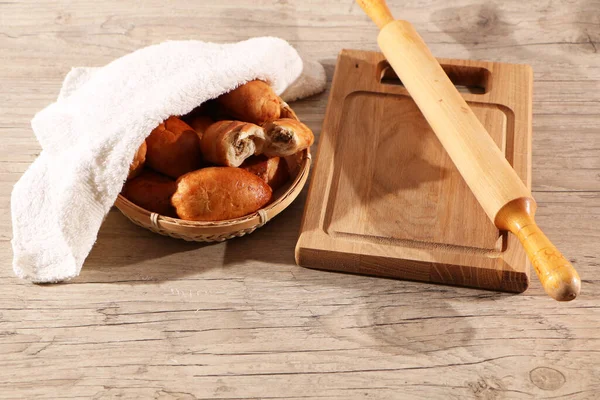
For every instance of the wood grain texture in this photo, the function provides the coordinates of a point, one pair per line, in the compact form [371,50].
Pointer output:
[154,317]
[385,197]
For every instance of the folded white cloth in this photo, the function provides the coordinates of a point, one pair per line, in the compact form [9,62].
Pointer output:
[89,136]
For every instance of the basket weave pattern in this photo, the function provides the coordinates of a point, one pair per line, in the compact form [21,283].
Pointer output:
[192,238]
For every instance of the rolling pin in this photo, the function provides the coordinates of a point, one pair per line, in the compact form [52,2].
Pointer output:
[493,181]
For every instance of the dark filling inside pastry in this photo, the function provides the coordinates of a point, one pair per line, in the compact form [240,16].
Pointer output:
[282,135]
[239,145]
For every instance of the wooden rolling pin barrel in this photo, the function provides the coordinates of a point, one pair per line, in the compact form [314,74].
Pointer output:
[495,184]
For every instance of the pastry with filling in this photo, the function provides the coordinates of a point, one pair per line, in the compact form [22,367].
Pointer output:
[173,148]
[285,137]
[219,193]
[230,143]
[274,170]
[253,102]
[152,192]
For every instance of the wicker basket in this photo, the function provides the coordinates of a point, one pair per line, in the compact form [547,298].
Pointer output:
[219,231]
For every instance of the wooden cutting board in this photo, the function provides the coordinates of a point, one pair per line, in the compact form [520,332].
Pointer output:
[385,198]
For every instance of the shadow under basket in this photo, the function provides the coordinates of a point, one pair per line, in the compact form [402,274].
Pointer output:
[218,231]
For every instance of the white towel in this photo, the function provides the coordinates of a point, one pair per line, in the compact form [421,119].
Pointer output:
[90,135]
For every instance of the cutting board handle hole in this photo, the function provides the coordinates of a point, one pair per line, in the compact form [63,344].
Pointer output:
[474,80]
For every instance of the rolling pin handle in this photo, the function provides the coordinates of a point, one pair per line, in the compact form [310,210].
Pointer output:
[558,277]
[377,10]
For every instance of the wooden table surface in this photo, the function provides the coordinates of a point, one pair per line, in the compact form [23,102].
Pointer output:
[153,317]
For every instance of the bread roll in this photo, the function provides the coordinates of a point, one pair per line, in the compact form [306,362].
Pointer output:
[138,161]
[229,143]
[285,137]
[152,192]
[294,163]
[274,170]
[173,148]
[219,193]
[200,124]
[253,102]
